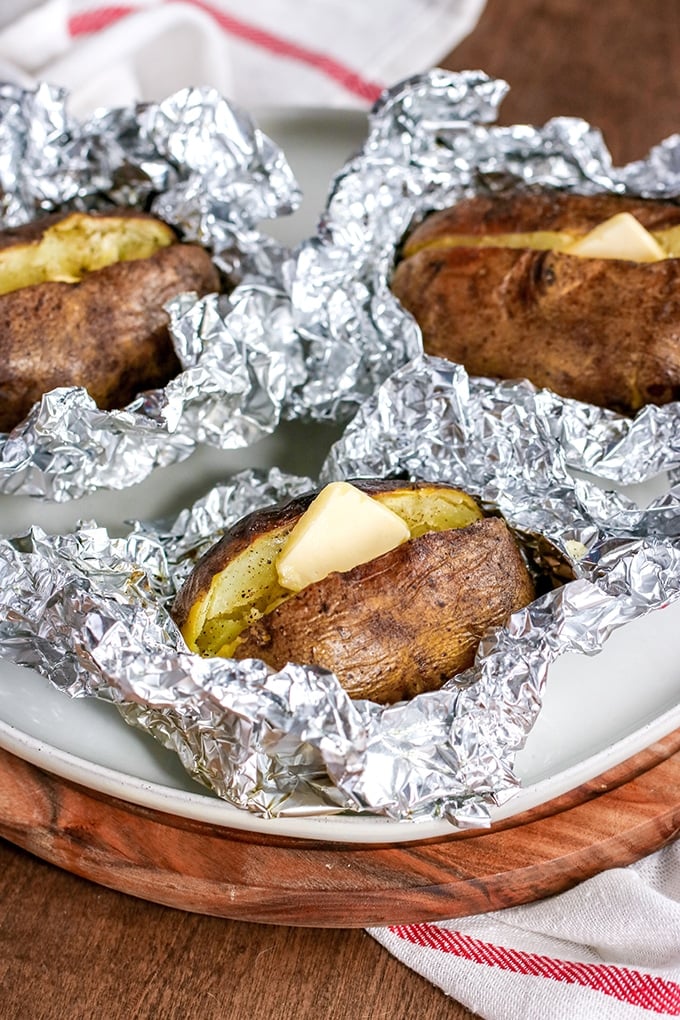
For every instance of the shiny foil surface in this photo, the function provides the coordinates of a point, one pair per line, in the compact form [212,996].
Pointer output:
[324,332]
[205,167]
[431,141]
[92,612]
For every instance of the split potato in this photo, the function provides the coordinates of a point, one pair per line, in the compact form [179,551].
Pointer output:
[579,294]
[81,304]
[390,626]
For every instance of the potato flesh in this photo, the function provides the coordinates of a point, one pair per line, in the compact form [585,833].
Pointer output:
[536,240]
[248,588]
[430,509]
[80,244]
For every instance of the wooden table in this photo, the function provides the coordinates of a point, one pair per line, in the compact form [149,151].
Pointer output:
[71,949]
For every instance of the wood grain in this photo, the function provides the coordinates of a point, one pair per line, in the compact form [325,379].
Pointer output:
[613,64]
[229,873]
[71,950]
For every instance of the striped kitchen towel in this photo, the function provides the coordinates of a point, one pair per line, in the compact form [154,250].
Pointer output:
[313,53]
[609,949]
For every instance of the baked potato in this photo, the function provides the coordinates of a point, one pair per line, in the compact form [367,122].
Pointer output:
[391,626]
[81,304]
[579,294]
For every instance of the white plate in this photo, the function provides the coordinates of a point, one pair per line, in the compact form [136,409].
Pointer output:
[597,712]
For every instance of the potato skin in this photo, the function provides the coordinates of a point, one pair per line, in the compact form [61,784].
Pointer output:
[392,628]
[604,331]
[108,333]
[252,527]
[405,622]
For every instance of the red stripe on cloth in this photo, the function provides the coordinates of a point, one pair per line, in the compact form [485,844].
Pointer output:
[95,20]
[632,986]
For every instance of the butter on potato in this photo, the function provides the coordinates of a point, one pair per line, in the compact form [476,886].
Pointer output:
[577,293]
[340,529]
[619,237]
[390,627]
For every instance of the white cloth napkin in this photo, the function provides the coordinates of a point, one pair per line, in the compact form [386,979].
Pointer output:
[314,53]
[609,949]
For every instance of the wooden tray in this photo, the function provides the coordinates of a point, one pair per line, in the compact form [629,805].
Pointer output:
[611,821]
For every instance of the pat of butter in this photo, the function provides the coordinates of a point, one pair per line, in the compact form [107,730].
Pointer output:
[620,237]
[340,529]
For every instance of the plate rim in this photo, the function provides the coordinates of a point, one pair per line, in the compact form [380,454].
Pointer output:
[332,826]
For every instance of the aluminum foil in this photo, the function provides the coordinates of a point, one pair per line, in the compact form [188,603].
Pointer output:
[92,614]
[431,141]
[307,334]
[203,165]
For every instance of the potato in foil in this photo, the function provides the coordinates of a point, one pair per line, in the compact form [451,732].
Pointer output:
[391,585]
[81,304]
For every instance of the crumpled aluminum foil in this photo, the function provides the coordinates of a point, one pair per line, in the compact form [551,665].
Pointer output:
[431,142]
[202,165]
[306,334]
[91,612]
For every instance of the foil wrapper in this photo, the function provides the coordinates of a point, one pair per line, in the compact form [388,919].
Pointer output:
[204,166]
[92,614]
[307,334]
[431,141]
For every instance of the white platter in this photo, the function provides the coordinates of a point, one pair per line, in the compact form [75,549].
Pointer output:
[598,711]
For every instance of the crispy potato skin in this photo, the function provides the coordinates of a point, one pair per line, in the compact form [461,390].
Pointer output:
[392,628]
[108,333]
[405,622]
[605,331]
[247,530]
